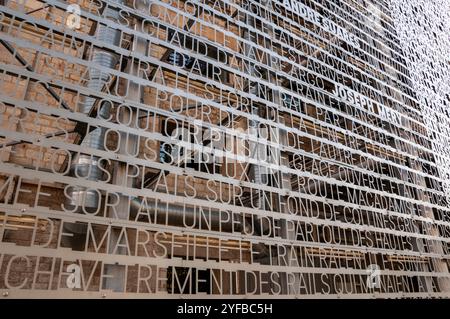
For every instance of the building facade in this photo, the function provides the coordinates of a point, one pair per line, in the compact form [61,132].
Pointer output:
[209,148]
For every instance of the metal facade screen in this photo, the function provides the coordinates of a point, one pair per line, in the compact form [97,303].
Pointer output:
[271,148]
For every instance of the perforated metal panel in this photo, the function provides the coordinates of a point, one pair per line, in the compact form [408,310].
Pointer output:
[159,149]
